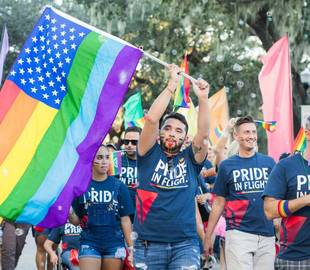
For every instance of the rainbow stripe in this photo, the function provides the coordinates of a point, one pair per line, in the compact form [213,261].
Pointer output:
[136,123]
[47,151]
[268,125]
[181,98]
[218,131]
[283,209]
[300,142]
[115,163]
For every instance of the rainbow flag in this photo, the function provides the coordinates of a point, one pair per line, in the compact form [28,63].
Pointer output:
[136,123]
[56,106]
[218,131]
[134,115]
[181,98]
[268,125]
[300,142]
[115,163]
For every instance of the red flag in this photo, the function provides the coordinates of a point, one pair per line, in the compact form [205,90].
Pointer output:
[276,87]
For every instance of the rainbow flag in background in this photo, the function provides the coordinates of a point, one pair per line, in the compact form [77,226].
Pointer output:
[300,142]
[115,163]
[134,115]
[136,123]
[268,125]
[218,131]
[181,98]
[56,106]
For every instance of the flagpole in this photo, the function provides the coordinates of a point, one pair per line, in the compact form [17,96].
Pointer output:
[166,65]
[95,29]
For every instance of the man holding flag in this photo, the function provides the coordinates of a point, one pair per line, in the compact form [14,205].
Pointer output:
[165,209]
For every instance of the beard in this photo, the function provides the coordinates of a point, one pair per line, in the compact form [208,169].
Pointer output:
[171,147]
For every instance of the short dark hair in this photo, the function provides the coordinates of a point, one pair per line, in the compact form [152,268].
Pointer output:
[111,145]
[133,129]
[177,116]
[244,120]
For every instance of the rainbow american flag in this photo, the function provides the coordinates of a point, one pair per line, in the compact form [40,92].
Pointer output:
[181,98]
[300,142]
[268,125]
[218,131]
[56,106]
[115,164]
[136,123]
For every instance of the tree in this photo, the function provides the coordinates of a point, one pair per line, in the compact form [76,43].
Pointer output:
[220,37]
[223,40]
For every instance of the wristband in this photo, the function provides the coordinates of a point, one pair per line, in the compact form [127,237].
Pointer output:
[283,209]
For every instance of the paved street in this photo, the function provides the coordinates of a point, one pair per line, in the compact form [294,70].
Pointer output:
[27,259]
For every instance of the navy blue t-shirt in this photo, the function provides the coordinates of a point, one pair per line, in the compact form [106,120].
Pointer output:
[290,179]
[129,175]
[242,181]
[68,234]
[104,203]
[165,206]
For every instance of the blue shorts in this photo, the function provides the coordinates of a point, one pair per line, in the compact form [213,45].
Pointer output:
[87,250]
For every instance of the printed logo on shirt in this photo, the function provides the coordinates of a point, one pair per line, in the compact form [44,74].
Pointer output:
[250,180]
[129,176]
[70,229]
[99,196]
[170,178]
[303,185]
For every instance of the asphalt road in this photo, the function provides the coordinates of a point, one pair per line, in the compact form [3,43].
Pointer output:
[27,259]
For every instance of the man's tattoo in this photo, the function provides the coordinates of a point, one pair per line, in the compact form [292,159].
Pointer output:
[196,149]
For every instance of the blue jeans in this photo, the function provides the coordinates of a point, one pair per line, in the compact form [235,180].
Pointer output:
[65,257]
[184,255]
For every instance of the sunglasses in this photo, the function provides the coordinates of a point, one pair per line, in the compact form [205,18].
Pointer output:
[133,142]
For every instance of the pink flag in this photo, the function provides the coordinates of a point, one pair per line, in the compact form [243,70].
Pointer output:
[4,50]
[276,87]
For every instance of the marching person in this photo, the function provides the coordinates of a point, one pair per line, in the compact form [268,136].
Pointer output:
[241,179]
[287,196]
[104,210]
[165,220]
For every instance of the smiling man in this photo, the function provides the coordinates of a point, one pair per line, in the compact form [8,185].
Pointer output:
[239,185]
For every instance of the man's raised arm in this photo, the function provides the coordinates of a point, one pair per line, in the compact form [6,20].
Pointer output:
[200,141]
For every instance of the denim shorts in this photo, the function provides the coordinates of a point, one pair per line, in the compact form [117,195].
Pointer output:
[87,250]
[184,255]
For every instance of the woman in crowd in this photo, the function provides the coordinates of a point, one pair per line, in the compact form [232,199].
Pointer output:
[104,213]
